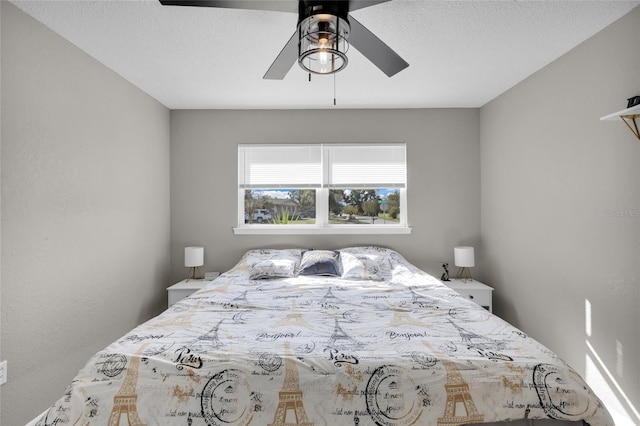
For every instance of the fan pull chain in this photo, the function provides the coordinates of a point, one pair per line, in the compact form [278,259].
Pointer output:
[334,88]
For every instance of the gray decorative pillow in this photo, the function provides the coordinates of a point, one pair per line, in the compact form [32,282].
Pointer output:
[320,262]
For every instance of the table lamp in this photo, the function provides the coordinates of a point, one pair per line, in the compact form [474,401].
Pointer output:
[464,259]
[194,259]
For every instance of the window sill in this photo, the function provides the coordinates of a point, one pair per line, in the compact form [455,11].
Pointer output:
[312,230]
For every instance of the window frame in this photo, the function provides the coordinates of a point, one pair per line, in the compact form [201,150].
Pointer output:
[322,189]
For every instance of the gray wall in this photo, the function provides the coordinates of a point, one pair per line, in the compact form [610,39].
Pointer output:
[85,211]
[443,174]
[560,202]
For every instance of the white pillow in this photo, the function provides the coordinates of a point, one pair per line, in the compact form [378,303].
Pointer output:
[360,267]
[273,268]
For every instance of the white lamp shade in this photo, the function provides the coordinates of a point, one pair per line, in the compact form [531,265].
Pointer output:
[193,256]
[464,257]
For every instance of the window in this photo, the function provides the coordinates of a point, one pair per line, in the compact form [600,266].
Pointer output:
[322,188]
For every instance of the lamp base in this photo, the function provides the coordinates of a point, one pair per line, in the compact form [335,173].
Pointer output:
[195,273]
[464,274]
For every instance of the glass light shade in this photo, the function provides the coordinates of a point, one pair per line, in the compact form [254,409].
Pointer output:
[193,257]
[464,257]
[322,43]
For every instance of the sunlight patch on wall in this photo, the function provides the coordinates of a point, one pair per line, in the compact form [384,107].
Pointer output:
[619,358]
[598,376]
[587,317]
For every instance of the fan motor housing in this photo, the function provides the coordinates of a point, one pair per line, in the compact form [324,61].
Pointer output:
[308,8]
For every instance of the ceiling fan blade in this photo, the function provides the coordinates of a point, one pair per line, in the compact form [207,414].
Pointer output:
[270,5]
[375,49]
[361,4]
[284,61]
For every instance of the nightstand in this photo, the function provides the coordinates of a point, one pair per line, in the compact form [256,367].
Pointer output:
[185,288]
[473,290]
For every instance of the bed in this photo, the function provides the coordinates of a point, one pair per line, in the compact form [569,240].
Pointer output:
[356,336]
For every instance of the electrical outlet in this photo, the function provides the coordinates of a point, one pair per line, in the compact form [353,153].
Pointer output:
[3,372]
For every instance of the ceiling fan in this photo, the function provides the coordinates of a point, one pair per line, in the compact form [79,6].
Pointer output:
[324,32]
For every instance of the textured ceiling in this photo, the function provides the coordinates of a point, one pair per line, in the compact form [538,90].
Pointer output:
[461,53]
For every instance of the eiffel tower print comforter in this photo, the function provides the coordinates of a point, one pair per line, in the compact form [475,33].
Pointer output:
[357,336]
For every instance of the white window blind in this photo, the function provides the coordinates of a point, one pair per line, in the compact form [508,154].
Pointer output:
[279,166]
[301,166]
[366,165]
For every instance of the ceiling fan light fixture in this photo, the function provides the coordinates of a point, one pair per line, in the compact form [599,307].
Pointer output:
[321,35]
[322,38]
